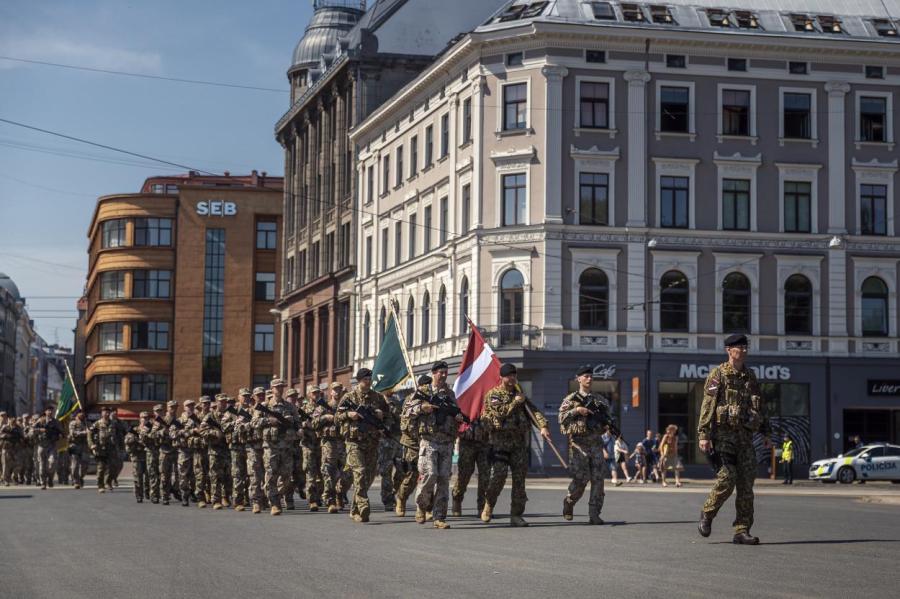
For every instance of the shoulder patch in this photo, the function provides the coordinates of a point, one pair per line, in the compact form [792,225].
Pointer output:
[712,386]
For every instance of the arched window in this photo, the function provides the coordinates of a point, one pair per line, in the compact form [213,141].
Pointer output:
[874,308]
[736,304]
[674,300]
[410,321]
[593,300]
[367,323]
[382,324]
[426,318]
[798,300]
[442,314]
[512,296]
[463,306]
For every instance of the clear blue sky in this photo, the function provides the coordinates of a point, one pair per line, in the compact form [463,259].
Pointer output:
[48,186]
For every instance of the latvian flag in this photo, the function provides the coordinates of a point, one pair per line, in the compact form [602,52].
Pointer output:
[478,374]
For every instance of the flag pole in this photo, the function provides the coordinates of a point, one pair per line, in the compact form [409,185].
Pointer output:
[74,388]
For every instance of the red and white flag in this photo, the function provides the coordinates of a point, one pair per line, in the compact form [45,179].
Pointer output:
[479,372]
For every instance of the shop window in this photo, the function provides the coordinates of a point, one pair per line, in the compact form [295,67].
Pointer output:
[798,305]
[736,304]
[673,302]
[787,406]
[679,404]
[593,300]
[512,294]
[874,308]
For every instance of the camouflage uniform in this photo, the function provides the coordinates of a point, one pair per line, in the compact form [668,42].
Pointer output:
[362,446]
[256,472]
[212,430]
[78,450]
[437,434]
[118,461]
[138,455]
[10,435]
[473,452]
[409,441]
[390,458]
[182,436]
[102,443]
[312,456]
[278,443]
[586,461]
[235,435]
[168,456]
[334,453]
[201,461]
[27,452]
[149,437]
[46,433]
[731,412]
[508,424]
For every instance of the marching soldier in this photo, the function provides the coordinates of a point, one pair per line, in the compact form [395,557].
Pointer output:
[731,413]
[78,449]
[390,456]
[10,433]
[201,456]
[474,452]
[298,475]
[334,453]
[234,421]
[256,472]
[149,437]
[279,433]
[583,418]
[28,450]
[101,439]
[138,455]
[212,431]
[182,434]
[118,461]
[312,449]
[509,416]
[409,441]
[360,414]
[168,455]
[47,432]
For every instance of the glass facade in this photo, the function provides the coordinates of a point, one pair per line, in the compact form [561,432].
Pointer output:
[213,305]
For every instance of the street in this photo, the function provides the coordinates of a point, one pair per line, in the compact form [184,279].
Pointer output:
[817,542]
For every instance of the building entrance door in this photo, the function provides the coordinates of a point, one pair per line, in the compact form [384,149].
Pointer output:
[871,426]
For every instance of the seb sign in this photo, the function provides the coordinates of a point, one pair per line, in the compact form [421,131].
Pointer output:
[774,372]
[216,208]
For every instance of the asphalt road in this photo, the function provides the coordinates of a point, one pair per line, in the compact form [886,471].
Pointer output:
[73,544]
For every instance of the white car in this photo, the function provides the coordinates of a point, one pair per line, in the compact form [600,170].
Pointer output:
[870,462]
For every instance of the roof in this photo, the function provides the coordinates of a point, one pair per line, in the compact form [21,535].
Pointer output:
[7,283]
[330,23]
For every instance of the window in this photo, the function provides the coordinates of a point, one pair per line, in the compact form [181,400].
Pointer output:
[265,287]
[445,220]
[398,243]
[426,318]
[798,305]
[603,11]
[673,302]
[593,199]
[467,121]
[802,23]
[718,17]
[148,387]
[593,300]
[398,177]
[673,192]
[464,306]
[157,188]
[413,156]
[315,262]
[426,225]
[301,276]
[429,145]
[797,202]
[386,174]
[309,344]
[465,217]
[874,308]
[113,233]
[344,258]
[367,327]
[874,72]
[329,252]
[112,284]
[736,204]
[151,284]
[736,304]
[370,184]
[737,64]
[410,322]
[632,12]
[515,104]
[736,112]
[266,235]
[594,98]
[413,230]
[674,107]
[442,314]
[109,387]
[153,231]
[514,200]
[872,118]
[676,61]
[289,274]
[797,115]
[746,19]
[150,335]
[384,249]
[368,255]
[873,209]
[595,56]
[342,335]
[830,24]
[660,14]
[264,337]
[514,59]
[112,336]
[884,27]
[445,135]
[213,311]
[798,68]
[512,295]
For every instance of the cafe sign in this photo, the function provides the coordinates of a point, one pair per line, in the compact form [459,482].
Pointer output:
[890,388]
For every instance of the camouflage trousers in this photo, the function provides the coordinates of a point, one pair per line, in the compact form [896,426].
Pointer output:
[139,467]
[390,469]
[278,463]
[27,458]
[78,466]
[738,471]
[410,475]
[256,473]
[153,470]
[185,465]
[511,459]
[218,473]
[201,475]
[472,454]
[363,461]
[115,465]
[587,465]
[435,465]
[46,455]
[62,468]
[103,480]
[312,472]
[334,458]
[298,474]
[239,474]
[168,460]
[7,463]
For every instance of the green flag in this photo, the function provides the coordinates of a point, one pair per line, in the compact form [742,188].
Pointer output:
[390,367]
[67,402]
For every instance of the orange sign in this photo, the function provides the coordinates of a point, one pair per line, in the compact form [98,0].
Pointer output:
[635,392]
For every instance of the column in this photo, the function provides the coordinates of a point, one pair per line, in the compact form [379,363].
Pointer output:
[552,329]
[637,151]
[636,320]
[837,301]
[553,151]
[837,191]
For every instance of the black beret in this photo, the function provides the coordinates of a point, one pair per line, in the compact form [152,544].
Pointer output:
[588,369]
[424,380]
[363,373]
[736,339]
[439,365]
[507,369]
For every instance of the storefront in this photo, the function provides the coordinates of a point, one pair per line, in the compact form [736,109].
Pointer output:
[865,402]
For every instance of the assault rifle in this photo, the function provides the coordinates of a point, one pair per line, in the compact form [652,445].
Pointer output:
[282,421]
[209,418]
[444,407]
[369,418]
[599,415]
[242,413]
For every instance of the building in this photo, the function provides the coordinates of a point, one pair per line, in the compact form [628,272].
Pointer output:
[625,184]
[349,61]
[11,305]
[180,288]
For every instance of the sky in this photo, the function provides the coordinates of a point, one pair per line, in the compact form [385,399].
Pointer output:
[49,185]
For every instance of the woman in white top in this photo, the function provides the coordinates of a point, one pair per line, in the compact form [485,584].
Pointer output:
[622,458]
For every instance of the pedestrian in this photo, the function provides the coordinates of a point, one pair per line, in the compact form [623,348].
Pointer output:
[101,440]
[298,472]
[639,455]
[621,451]
[137,453]
[10,433]
[670,458]
[168,455]
[509,416]
[236,415]
[390,456]
[609,454]
[118,462]
[256,472]
[201,455]
[787,459]
[651,446]
[731,413]
[278,422]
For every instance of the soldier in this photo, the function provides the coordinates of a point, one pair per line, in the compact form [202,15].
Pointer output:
[731,413]
[254,445]
[29,460]
[201,455]
[437,434]
[409,441]
[101,440]
[10,433]
[360,414]
[212,431]
[137,453]
[298,474]
[232,424]
[509,416]
[118,461]
[47,432]
[333,451]
[149,436]
[182,433]
[474,452]
[312,449]
[278,424]
[168,455]
[390,456]
[583,417]
[78,448]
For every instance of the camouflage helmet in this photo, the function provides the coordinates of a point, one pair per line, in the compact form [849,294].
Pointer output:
[244,392]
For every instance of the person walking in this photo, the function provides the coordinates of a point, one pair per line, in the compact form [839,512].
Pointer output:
[621,449]
[787,459]
[669,456]
[609,453]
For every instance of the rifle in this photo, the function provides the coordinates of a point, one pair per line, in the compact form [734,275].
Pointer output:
[208,418]
[242,413]
[282,421]
[444,407]
[368,417]
[599,414]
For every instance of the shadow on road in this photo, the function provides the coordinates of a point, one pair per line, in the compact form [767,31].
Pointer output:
[16,496]
[822,542]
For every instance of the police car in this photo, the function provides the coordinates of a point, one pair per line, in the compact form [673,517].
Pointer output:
[876,461]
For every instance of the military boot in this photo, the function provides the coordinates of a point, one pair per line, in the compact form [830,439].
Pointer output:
[420,516]
[256,508]
[140,499]
[356,517]
[201,504]
[429,516]
[745,538]
[705,525]
[517,522]
[487,513]
[313,506]
[184,500]
[440,524]
[568,509]
[594,518]
[239,507]
[364,514]
[217,506]
[275,511]
[456,510]
[333,509]
[165,501]
[225,502]
[400,509]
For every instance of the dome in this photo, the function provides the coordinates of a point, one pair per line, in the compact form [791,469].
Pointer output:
[7,283]
[329,22]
